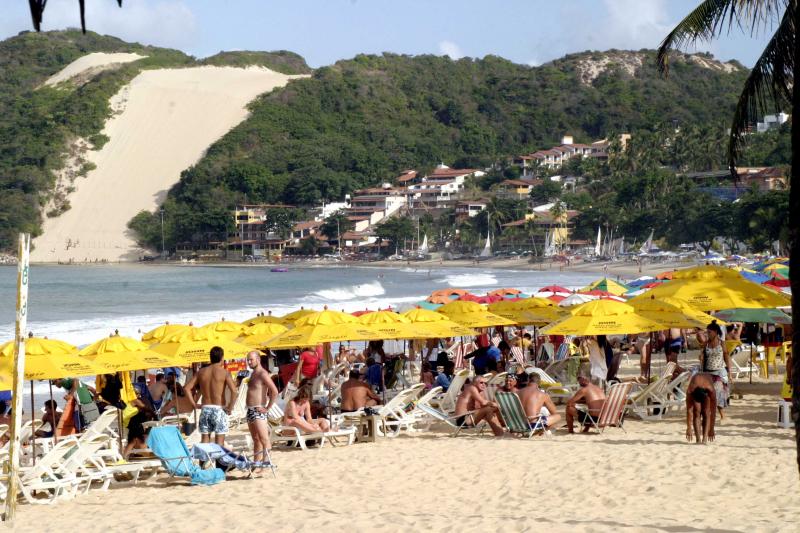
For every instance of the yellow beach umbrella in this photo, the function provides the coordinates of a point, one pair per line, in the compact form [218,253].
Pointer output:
[472,315]
[40,346]
[263,319]
[602,317]
[528,311]
[323,326]
[165,330]
[710,288]
[226,328]
[260,333]
[672,313]
[121,354]
[5,378]
[294,316]
[55,366]
[193,345]
[436,325]
[390,325]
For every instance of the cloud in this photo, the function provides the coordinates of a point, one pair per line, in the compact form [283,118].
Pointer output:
[167,23]
[449,48]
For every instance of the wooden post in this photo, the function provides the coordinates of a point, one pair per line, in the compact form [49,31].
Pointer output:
[19,374]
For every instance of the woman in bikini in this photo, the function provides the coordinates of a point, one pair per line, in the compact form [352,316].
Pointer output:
[298,413]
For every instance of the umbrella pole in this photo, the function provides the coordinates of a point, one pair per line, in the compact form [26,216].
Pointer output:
[33,433]
[53,420]
[119,420]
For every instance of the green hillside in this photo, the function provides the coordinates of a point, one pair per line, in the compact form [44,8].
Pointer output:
[38,124]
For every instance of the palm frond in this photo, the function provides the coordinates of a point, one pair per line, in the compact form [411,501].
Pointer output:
[768,86]
[714,17]
[37,10]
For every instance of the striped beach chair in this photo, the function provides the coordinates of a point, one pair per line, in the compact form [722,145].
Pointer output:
[518,355]
[613,411]
[496,340]
[515,418]
[460,352]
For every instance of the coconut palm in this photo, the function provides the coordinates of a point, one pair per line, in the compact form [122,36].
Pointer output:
[37,10]
[768,87]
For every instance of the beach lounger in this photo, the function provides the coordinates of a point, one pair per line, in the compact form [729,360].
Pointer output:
[49,476]
[394,413]
[227,460]
[168,445]
[650,403]
[451,421]
[517,422]
[447,403]
[494,382]
[613,411]
[239,411]
[550,385]
[293,437]
[676,390]
[741,364]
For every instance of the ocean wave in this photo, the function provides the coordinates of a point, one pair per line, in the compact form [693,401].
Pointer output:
[365,290]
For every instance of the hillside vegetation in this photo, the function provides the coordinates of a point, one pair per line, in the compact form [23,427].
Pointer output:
[39,125]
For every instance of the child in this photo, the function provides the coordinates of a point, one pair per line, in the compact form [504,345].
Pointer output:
[427,376]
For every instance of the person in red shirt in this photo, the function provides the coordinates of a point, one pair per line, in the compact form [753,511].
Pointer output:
[309,363]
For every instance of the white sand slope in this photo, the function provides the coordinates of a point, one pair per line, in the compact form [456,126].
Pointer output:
[168,118]
[96,62]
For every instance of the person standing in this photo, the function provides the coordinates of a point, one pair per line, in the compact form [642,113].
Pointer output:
[213,380]
[714,360]
[261,395]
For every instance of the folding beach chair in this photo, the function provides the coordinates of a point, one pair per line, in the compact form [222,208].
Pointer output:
[451,421]
[227,460]
[613,411]
[515,418]
[168,445]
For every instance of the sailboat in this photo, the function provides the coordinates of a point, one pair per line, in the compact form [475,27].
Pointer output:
[487,248]
[423,248]
[597,247]
[647,244]
[549,245]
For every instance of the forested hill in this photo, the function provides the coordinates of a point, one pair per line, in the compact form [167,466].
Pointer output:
[38,123]
[363,120]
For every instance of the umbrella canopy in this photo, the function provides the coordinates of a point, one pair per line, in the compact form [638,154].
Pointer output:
[124,353]
[638,282]
[602,317]
[530,311]
[709,288]
[762,316]
[553,290]
[323,326]
[40,346]
[428,305]
[263,319]
[258,334]
[666,275]
[290,319]
[504,292]
[165,330]
[607,285]
[54,366]
[440,299]
[438,325]
[389,325]
[226,328]
[472,315]
[193,345]
[576,299]
[776,266]
[671,312]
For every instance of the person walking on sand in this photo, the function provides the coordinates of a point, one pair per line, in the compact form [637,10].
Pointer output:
[261,395]
[213,380]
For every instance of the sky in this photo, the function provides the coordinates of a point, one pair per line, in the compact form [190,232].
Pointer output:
[323,31]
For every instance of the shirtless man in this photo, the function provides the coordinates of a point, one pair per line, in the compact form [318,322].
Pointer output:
[157,391]
[213,380]
[298,413]
[472,407]
[538,405]
[261,395]
[356,394]
[590,394]
[673,344]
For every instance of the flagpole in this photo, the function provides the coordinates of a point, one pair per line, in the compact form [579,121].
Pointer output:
[19,374]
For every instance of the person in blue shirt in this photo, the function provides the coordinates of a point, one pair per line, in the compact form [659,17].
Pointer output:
[444,378]
[375,374]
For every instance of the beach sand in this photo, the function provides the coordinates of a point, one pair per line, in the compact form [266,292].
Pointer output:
[90,65]
[648,479]
[166,119]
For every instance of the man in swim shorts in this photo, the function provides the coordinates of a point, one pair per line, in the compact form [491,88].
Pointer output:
[472,406]
[213,380]
[539,407]
[261,395]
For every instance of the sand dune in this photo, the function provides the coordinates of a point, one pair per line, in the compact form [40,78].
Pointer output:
[96,62]
[648,479]
[167,119]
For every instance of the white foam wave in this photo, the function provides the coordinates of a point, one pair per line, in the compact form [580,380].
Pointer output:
[469,280]
[353,292]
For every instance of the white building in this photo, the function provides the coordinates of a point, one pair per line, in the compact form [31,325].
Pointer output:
[772,122]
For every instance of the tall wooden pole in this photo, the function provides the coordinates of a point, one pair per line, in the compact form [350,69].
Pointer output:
[19,373]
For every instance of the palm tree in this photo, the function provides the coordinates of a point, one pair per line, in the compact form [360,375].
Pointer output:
[37,10]
[768,87]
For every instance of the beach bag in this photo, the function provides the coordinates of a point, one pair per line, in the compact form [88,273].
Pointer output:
[89,411]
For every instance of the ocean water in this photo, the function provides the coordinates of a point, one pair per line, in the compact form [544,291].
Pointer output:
[81,304]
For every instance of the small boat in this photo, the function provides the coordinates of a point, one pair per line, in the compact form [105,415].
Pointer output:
[279,269]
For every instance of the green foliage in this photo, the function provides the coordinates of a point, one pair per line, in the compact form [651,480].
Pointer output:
[395,230]
[773,148]
[336,224]
[548,191]
[280,61]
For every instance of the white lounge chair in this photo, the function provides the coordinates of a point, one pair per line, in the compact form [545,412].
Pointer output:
[292,436]
[650,402]
[447,403]
[49,476]
[741,364]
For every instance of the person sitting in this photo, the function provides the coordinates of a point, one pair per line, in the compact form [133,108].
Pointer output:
[472,406]
[157,391]
[51,417]
[180,399]
[374,374]
[426,375]
[523,341]
[298,413]
[356,394]
[511,383]
[539,407]
[445,377]
[589,394]
[483,361]
[136,430]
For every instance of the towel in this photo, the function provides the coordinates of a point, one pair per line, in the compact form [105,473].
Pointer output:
[166,442]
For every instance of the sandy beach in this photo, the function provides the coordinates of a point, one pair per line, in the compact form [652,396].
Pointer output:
[164,121]
[648,479]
